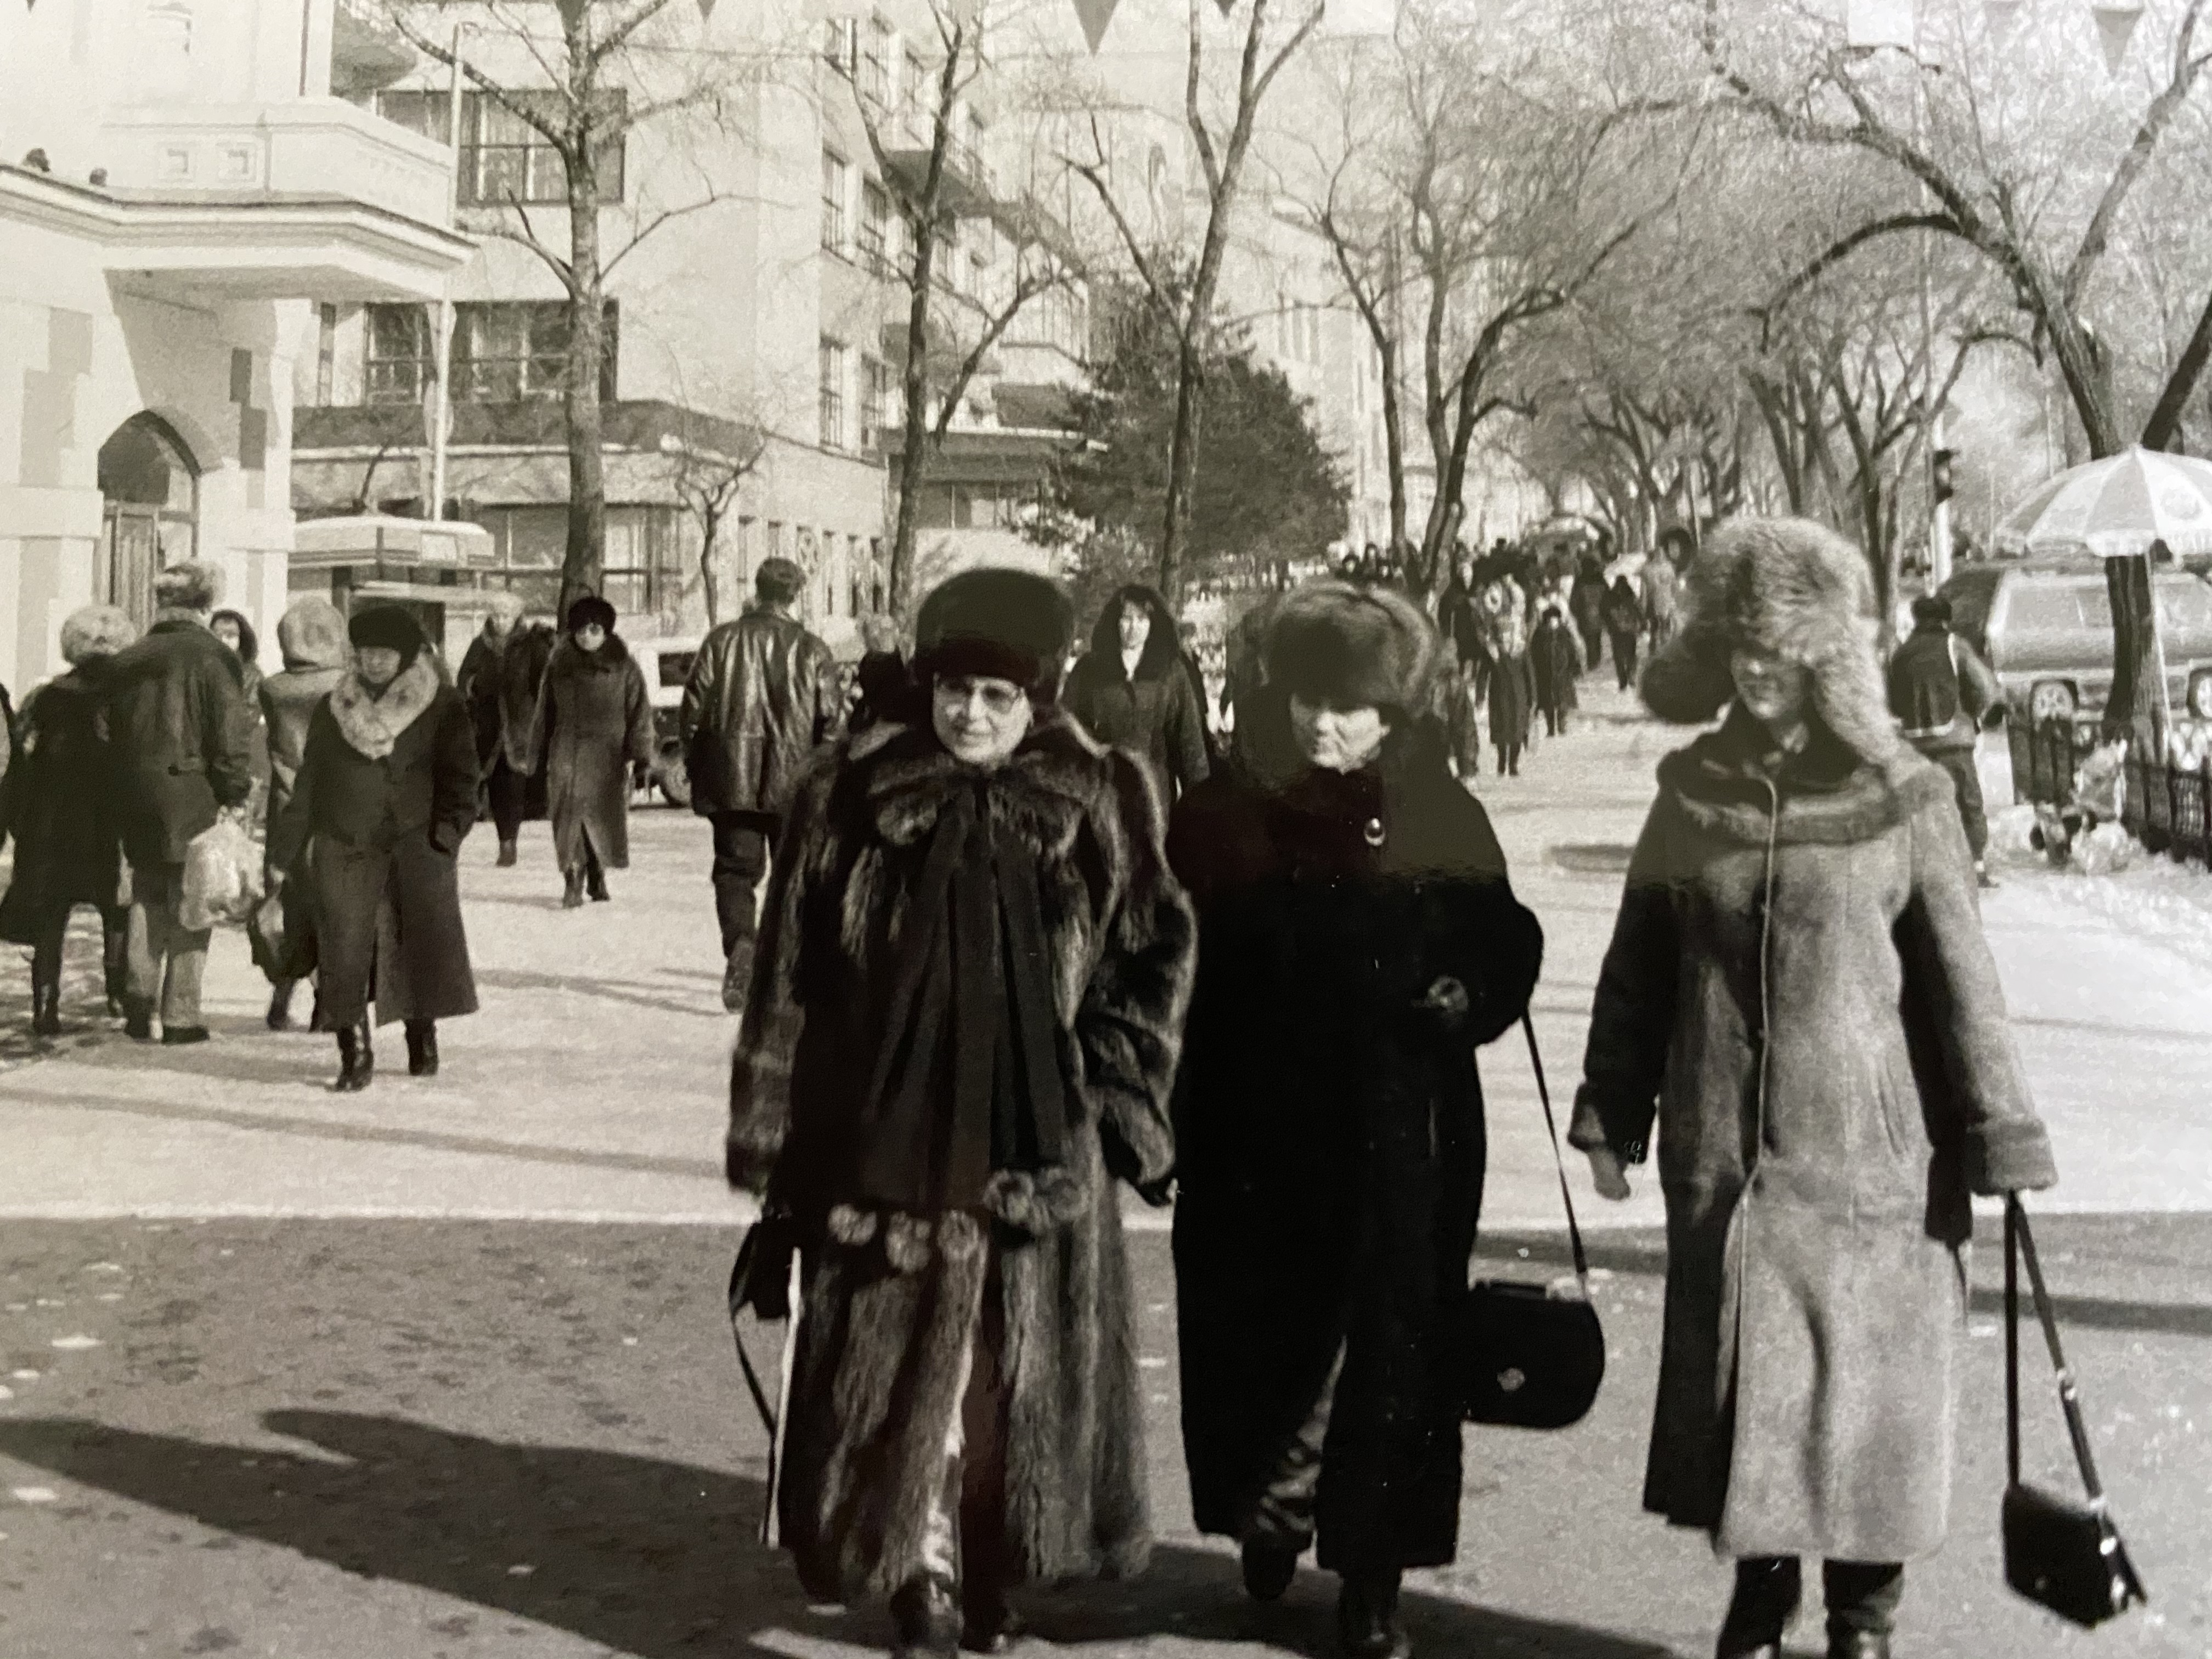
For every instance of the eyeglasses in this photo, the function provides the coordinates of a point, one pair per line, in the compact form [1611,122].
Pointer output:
[1000,697]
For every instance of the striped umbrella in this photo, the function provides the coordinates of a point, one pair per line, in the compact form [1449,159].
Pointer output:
[2117,506]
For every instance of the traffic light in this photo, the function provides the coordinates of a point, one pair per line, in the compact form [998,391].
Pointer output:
[1939,474]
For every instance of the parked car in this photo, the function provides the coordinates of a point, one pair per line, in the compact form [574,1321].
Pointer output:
[667,665]
[2046,629]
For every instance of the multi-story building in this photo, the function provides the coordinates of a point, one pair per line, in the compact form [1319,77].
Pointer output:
[178,188]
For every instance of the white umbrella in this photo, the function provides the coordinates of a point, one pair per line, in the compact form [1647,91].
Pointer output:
[2117,506]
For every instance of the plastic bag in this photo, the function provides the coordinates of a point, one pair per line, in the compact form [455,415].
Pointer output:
[222,876]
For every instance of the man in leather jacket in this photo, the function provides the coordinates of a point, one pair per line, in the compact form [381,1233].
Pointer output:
[762,696]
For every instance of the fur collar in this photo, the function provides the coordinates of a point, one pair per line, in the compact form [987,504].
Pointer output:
[1728,781]
[1042,792]
[371,725]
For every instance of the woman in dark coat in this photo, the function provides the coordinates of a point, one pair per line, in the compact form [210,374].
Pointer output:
[1624,626]
[57,799]
[593,723]
[1798,991]
[1133,690]
[1554,662]
[1358,939]
[1586,599]
[386,791]
[312,635]
[962,1025]
[1512,682]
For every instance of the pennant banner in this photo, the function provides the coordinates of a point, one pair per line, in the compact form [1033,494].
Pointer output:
[1094,16]
[2116,27]
[1871,23]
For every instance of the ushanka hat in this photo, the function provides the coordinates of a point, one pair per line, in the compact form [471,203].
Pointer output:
[1793,588]
[998,624]
[388,627]
[1350,646]
[590,609]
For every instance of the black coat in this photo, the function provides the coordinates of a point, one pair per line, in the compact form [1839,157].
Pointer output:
[57,799]
[183,735]
[1329,1130]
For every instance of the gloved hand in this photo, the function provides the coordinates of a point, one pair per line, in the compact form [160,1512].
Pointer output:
[1158,1193]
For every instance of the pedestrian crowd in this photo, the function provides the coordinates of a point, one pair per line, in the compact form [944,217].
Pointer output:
[1007,934]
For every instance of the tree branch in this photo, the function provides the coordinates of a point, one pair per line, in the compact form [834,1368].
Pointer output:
[713,198]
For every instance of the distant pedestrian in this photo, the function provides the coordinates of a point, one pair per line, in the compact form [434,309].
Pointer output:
[57,799]
[1943,692]
[312,635]
[1555,661]
[593,726]
[1358,939]
[1512,680]
[1799,995]
[184,740]
[762,698]
[882,690]
[1132,691]
[1661,578]
[232,628]
[386,794]
[1586,599]
[483,685]
[1624,627]
[973,968]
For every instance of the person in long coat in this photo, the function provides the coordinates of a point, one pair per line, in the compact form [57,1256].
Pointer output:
[57,799]
[1555,661]
[1586,599]
[386,794]
[961,1030]
[593,723]
[482,683]
[1799,994]
[1358,939]
[312,635]
[1512,682]
[1133,690]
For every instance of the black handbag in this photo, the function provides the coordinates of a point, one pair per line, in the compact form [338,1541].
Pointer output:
[1534,1358]
[2062,1552]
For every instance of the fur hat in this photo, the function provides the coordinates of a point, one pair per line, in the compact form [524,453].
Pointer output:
[191,585]
[312,633]
[1350,646]
[1792,587]
[390,628]
[505,603]
[1004,624]
[97,630]
[589,609]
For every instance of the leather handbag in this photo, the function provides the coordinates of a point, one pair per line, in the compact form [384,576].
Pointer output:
[1534,1357]
[2063,1553]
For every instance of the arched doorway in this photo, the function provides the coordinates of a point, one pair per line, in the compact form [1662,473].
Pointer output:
[149,513]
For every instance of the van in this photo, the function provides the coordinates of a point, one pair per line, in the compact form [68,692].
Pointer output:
[2046,630]
[666,664]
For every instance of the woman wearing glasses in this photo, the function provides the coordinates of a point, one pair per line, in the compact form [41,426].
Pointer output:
[962,1025]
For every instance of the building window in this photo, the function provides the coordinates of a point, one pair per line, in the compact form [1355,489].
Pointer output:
[398,364]
[327,352]
[505,159]
[875,401]
[833,394]
[876,62]
[913,99]
[835,183]
[839,43]
[643,574]
[875,224]
[517,351]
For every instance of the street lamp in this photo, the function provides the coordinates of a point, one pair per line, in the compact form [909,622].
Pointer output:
[441,410]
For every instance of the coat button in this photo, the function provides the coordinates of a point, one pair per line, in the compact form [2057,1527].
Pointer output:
[1373,832]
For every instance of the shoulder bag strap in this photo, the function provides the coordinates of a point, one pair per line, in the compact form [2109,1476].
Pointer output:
[2070,1398]
[1558,1162]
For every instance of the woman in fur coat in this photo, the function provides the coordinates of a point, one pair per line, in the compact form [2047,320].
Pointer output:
[1359,939]
[57,799]
[592,725]
[386,791]
[1799,993]
[965,1011]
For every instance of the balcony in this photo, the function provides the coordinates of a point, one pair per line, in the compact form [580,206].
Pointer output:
[312,199]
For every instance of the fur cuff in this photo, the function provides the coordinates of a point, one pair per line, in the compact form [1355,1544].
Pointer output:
[1035,1202]
[2007,1155]
[1592,1125]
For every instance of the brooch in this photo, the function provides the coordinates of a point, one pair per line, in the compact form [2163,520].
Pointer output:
[1373,832]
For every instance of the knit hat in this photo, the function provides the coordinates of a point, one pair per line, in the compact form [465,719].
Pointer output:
[1350,646]
[1796,589]
[1001,624]
[312,633]
[97,630]
[389,627]
[588,609]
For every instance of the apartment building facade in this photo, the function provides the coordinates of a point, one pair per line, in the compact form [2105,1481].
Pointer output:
[178,188]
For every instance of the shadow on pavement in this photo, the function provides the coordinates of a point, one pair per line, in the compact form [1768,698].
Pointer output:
[607,990]
[650,1557]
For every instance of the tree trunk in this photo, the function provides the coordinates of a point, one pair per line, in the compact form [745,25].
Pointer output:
[1394,440]
[583,564]
[2136,708]
[1182,457]
[913,441]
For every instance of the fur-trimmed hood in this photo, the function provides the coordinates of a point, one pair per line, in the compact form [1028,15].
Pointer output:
[370,724]
[1795,588]
[1728,783]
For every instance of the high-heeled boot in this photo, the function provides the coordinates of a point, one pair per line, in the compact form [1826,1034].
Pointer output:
[422,1048]
[1767,1591]
[356,1057]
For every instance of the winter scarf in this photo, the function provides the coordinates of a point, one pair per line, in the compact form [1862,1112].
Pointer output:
[371,722]
[966,1082]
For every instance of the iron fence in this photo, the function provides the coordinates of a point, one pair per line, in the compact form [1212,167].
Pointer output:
[2167,807]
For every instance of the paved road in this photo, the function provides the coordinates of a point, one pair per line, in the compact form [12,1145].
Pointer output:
[439,1369]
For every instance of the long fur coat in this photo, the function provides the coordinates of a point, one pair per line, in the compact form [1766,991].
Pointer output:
[892,1308]
[593,722]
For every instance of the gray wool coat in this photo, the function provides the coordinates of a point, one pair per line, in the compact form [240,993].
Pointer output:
[593,723]
[893,1306]
[1799,990]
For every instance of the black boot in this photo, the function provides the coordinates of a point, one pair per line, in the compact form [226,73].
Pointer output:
[46,1010]
[1367,1618]
[280,1004]
[926,1613]
[138,1019]
[507,854]
[422,1048]
[115,968]
[595,883]
[1269,1566]
[1858,1644]
[356,1059]
[572,896]
[315,1020]
[1767,1591]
